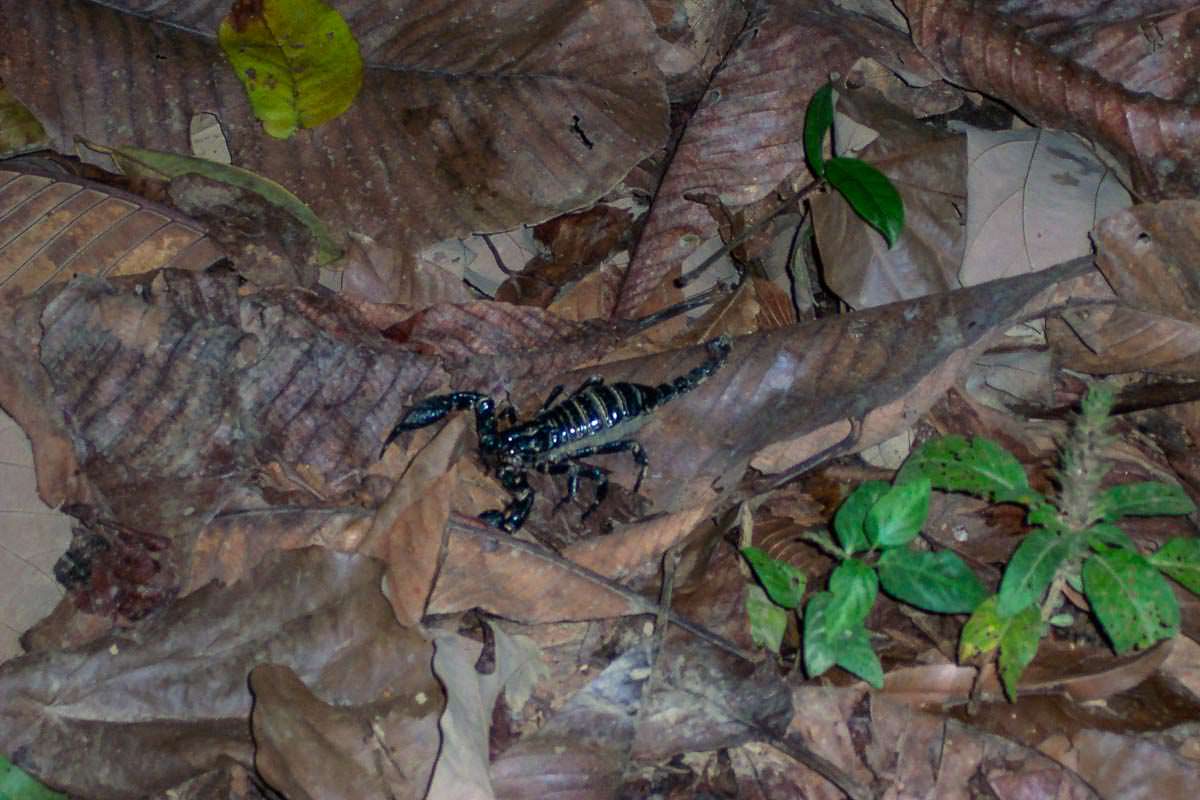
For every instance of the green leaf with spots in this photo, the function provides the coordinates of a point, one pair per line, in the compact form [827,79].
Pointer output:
[1180,558]
[818,120]
[870,194]
[938,582]
[1131,599]
[1145,499]
[850,520]
[897,516]
[1031,570]
[297,60]
[979,467]
[783,582]
[768,622]
[1016,636]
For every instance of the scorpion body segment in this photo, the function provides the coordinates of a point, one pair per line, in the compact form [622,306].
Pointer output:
[595,419]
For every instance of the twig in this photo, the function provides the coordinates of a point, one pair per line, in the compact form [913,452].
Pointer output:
[744,236]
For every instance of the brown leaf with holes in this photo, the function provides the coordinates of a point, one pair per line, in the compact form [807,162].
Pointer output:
[738,147]
[473,116]
[52,228]
[174,690]
[977,47]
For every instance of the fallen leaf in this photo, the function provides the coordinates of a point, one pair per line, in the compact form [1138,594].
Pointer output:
[54,228]
[174,689]
[467,119]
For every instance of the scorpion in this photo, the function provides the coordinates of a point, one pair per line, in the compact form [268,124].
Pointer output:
[595,419]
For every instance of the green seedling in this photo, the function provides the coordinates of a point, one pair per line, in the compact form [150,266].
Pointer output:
[866,189]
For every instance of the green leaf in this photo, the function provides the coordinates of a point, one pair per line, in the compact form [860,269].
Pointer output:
[1063,620]
[768,622]
[870,194]
[16,784]
[818,119]
[1180,558]
[1131,599]
[154,163]
[1018,647]
[1105,534]
[979,467]
[854,654]
[783,582]
[852,516]
[297,60]
[1016,636]
[854,587]
[1145,499]
[897,517]
[820,652]
[938,582]
[1030,570]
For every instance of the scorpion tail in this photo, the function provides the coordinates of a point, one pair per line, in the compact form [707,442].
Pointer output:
[719,348]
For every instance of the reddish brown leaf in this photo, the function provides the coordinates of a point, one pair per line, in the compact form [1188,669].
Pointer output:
[178,390]
[975,46]
[472,116]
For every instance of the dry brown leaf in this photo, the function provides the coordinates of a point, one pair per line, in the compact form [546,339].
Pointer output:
[179,390]
[313,750]
[52,228]
[472,116]
[409,530]
[926,167]
[739,148]
[174,689]
[1035,197]
[975,46]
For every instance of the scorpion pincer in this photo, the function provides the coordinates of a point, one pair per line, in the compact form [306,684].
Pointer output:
[596,419]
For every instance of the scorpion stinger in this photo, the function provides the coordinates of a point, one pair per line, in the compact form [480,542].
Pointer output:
[595,419]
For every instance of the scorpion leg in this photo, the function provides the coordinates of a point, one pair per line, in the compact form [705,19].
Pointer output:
[513,516]
[636,450]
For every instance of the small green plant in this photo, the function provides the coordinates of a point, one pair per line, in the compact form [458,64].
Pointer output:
[866,189]
[874,529]
[1075,542]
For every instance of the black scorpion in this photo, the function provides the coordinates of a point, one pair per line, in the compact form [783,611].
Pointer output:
[595,419]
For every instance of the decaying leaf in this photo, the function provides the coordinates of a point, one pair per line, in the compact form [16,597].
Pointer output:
[975,46]
[52,228]
[175,689]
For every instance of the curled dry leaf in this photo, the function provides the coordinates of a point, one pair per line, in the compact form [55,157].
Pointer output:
[975,46]
[174,689]
[473,116]
[1150,255]
[52,228]
[738,147]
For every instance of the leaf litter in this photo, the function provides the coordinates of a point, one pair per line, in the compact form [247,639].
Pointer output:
[259,568]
